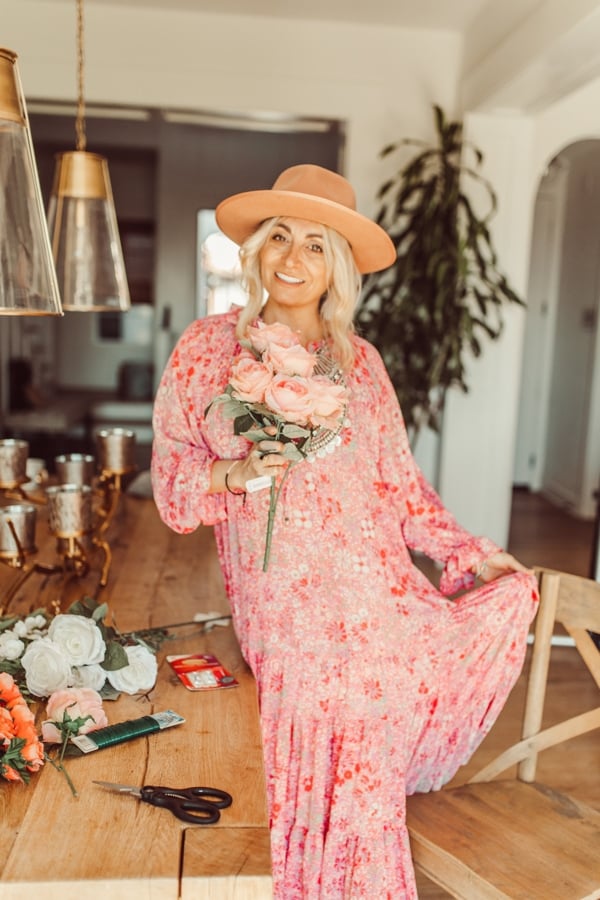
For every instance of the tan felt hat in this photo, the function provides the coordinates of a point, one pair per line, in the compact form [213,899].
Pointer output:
[313,193]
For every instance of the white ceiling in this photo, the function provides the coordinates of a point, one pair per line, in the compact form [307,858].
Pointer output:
[453,15]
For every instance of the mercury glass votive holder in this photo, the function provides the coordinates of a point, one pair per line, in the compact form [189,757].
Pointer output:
[17,530]
[70,512]
[116,451]
[74,468]
[13,462]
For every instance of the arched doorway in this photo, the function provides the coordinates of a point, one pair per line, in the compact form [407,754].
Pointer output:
[558,438]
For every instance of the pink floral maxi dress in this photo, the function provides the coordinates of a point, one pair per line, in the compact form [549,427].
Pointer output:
[372,684]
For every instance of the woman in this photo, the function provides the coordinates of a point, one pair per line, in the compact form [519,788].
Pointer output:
[372,684]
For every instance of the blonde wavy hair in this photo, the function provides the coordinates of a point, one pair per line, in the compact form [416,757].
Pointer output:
[337,305]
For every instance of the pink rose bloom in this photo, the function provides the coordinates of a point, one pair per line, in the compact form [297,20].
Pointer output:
[78,703]
[329,402]
[290,360]
[249,378]
[262,336]
[290,398]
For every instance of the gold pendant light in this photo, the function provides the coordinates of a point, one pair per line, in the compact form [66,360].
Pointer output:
[28,283]
[83,223]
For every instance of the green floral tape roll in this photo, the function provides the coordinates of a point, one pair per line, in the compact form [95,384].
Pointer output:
[126,731]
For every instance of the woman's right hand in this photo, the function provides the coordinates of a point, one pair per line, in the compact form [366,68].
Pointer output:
[265,458]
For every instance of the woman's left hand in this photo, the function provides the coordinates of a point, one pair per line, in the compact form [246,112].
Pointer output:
[499,564]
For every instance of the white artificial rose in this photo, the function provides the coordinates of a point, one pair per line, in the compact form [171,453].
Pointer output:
[137,677]
[35,624]
[92,677]
[11,646]
[30,627]
[46,668]
[79,638]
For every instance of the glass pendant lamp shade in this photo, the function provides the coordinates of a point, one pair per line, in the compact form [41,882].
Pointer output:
[28,284]
[85,236]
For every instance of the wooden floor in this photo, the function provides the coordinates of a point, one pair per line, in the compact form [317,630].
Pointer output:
[542,534]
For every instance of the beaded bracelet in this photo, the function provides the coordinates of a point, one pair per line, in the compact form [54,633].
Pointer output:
[231,491]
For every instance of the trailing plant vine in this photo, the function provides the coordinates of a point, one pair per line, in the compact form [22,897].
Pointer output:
[445,292]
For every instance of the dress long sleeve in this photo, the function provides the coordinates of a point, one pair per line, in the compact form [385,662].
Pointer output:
[183,451]
[427,526]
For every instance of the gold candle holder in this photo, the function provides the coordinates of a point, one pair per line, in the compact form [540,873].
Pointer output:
[116,457]
[71,520]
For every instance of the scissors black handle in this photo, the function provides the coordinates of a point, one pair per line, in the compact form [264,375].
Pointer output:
[200,805]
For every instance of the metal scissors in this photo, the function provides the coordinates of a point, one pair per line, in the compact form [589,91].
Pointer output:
[200,805]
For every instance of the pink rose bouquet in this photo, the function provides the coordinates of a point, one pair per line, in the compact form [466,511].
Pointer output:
[276,383]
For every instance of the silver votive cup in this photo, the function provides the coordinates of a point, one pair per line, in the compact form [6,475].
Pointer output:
[74,468]
[13,462]
[70,510]
[35,469]
[116,451]
[20,538]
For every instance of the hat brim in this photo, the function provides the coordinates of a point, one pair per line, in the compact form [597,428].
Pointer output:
[240,215]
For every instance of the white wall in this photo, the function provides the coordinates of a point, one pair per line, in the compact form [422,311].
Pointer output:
[476,467]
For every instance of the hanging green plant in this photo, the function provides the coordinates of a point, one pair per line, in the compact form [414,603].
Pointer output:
[445,291]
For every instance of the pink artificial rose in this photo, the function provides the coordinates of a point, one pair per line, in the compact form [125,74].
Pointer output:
[290,398]
[329,402]
[262,336]
[78,703]
[290,360]
[249,378]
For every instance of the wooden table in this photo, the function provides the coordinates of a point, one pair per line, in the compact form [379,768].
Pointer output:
[101,844]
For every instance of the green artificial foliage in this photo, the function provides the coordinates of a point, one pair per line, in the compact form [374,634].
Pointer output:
[445,293]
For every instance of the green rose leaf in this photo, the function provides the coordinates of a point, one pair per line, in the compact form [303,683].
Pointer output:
[99,613]
[115,657]
[294,431]
[256,434]
[232,408]
[89,608]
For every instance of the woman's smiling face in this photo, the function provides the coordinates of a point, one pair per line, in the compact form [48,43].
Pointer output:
[292,264]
